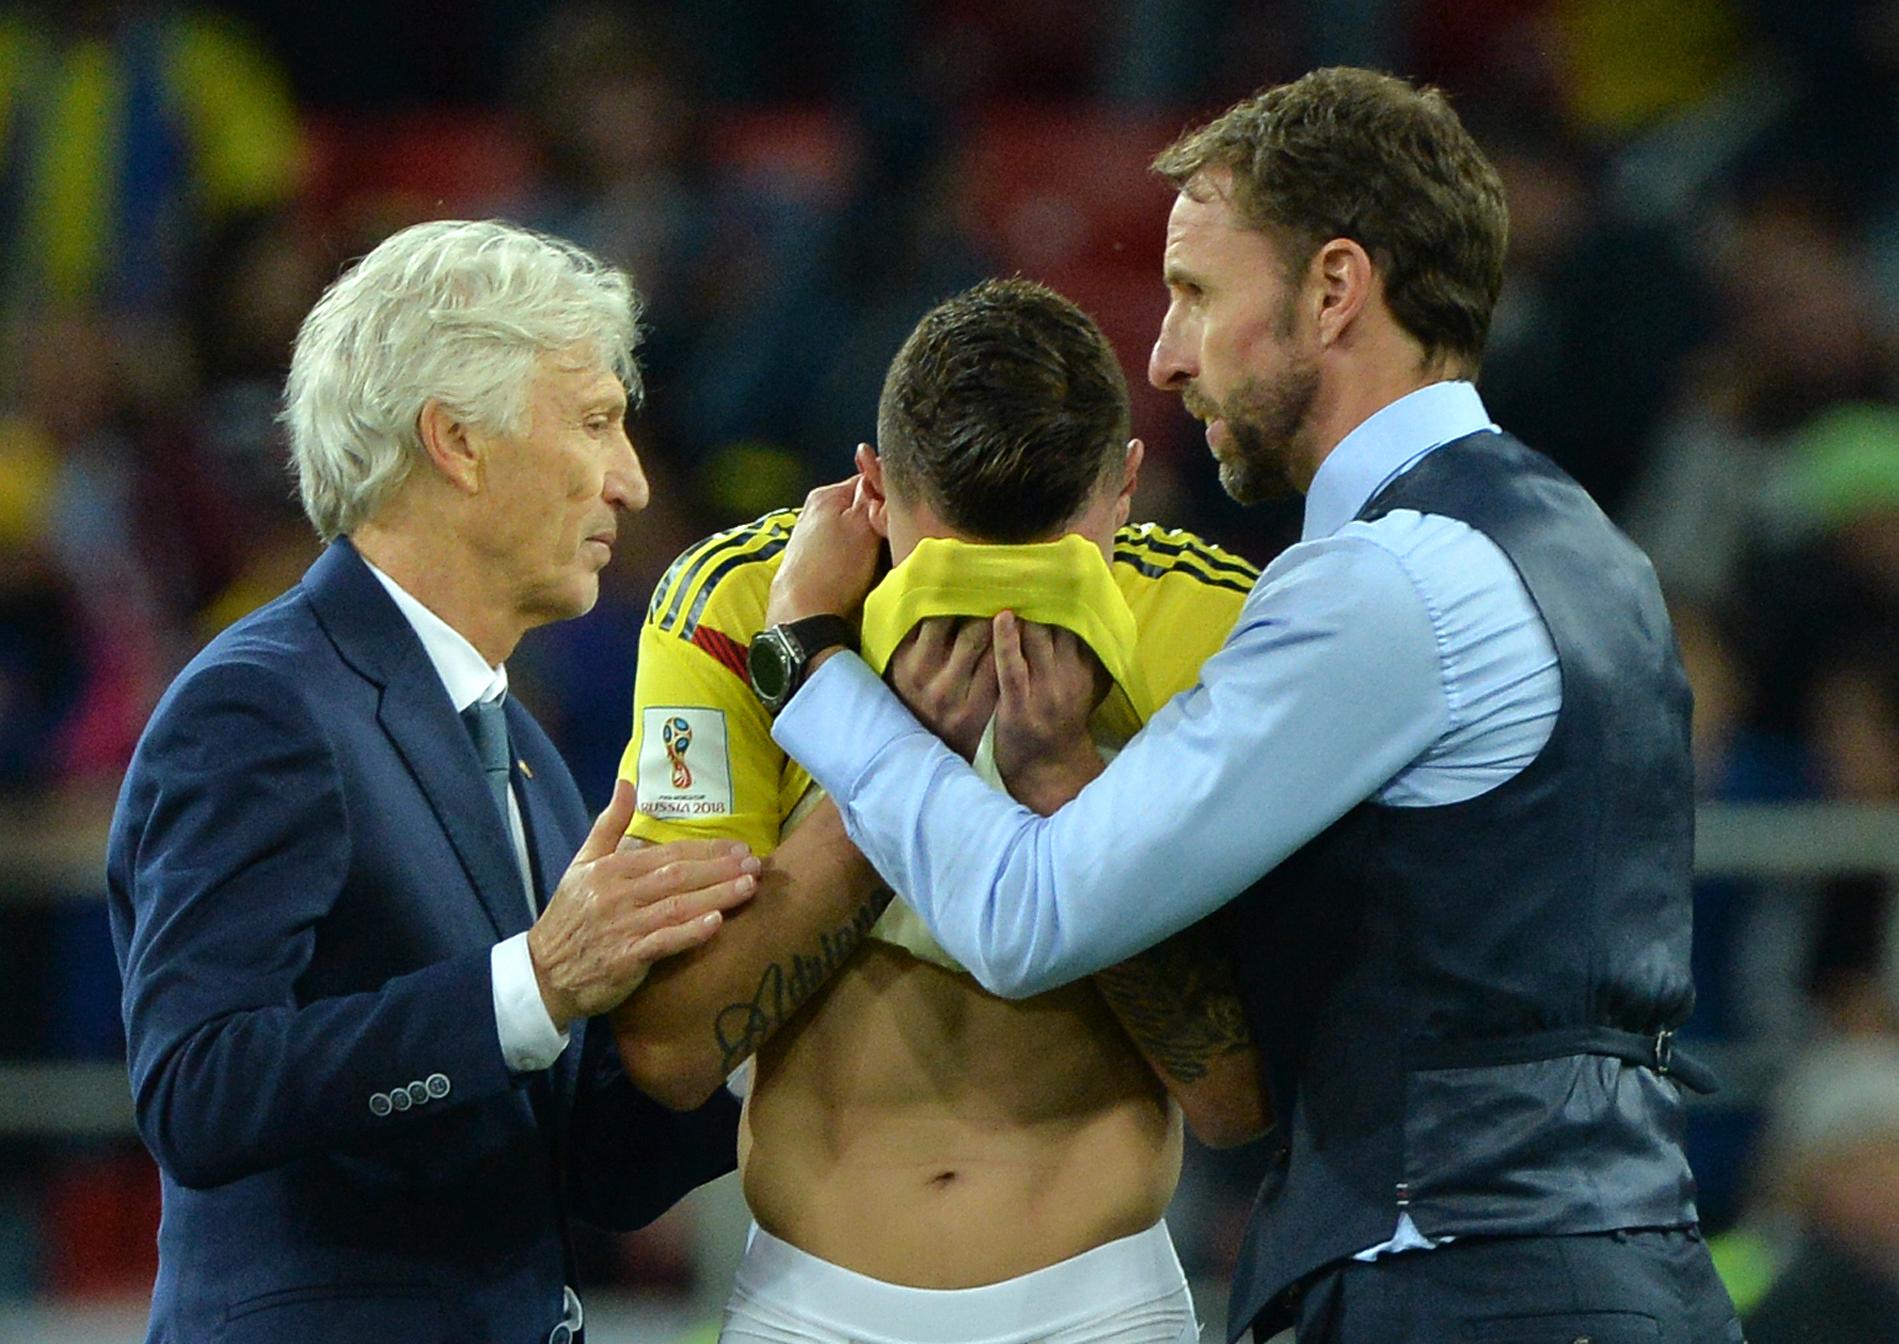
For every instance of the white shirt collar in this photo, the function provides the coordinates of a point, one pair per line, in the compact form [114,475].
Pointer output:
[464,672]
[1388,443]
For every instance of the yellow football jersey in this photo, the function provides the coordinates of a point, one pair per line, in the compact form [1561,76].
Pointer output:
[701,752]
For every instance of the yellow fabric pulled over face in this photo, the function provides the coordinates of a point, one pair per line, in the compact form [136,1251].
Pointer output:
[1183,592]
[1065,583]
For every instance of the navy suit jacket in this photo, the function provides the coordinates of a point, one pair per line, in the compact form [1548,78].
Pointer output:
[306,875]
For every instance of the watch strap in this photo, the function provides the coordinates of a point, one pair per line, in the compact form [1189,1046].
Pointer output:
[783,653]
[814,634]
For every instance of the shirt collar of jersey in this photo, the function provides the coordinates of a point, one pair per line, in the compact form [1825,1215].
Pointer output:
[464,672]
[1065,582]
[1386,445]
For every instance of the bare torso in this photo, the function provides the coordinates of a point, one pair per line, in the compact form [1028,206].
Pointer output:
[910,1126]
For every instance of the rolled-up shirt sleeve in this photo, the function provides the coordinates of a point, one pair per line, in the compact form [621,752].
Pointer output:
[1331,682]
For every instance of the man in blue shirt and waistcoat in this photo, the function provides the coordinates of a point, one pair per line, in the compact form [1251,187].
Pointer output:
[1440,769]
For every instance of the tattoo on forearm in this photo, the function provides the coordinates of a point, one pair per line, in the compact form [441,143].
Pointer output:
[1180,1003]
[741,1028]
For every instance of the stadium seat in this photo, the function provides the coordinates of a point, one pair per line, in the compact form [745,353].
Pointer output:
[808,154]
[1063,195]
[1059,189]
[442,161]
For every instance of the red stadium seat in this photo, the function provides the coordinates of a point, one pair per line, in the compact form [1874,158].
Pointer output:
[1056,190]
[806,153]
[100,1226]
[1063,195]
[441,162]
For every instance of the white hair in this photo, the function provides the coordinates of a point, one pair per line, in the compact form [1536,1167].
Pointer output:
[455,311]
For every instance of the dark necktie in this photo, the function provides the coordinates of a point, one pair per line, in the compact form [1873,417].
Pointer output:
[488,724]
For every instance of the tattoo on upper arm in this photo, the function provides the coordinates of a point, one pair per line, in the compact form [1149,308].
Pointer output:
[741,1028]
[1180,1002]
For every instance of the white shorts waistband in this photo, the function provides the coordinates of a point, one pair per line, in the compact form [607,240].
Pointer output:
[1130,1272]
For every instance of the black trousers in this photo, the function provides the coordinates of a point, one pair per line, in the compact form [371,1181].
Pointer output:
[1631,1287]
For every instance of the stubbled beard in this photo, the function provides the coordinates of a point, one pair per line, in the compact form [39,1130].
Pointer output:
[1266,423]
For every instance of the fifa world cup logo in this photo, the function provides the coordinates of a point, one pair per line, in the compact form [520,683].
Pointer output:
[676,737]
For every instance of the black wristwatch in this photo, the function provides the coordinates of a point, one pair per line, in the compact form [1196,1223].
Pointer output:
[781,654]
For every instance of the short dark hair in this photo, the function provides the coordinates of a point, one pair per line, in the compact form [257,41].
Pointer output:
[1003,411]
[1348,153]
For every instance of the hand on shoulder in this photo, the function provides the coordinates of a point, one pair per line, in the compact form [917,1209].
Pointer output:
[621,907]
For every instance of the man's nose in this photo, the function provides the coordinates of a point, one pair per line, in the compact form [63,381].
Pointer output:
[626,486]
[1168,365]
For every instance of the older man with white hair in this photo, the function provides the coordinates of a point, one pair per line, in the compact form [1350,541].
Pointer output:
[360,917]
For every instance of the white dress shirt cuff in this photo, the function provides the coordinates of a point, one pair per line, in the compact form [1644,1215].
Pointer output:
[529,1040]
[840,722]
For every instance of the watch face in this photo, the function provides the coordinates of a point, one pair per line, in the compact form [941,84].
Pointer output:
[769,663]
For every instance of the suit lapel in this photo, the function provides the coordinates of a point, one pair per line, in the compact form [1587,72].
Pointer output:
[372,636]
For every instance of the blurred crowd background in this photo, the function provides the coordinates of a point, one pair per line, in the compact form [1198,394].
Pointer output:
[1699,322]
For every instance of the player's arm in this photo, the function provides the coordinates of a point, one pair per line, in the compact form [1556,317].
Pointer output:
[698,1017]
[1180,1005]
[1179,1002]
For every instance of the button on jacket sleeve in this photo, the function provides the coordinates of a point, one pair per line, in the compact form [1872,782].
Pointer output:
[1330,684]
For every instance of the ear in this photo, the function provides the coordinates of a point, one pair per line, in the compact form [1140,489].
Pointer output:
[1130,477]
[449,446]
[877,501]
[1345,281]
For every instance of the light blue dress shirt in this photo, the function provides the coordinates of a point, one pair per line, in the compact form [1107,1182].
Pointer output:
[1400,659]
